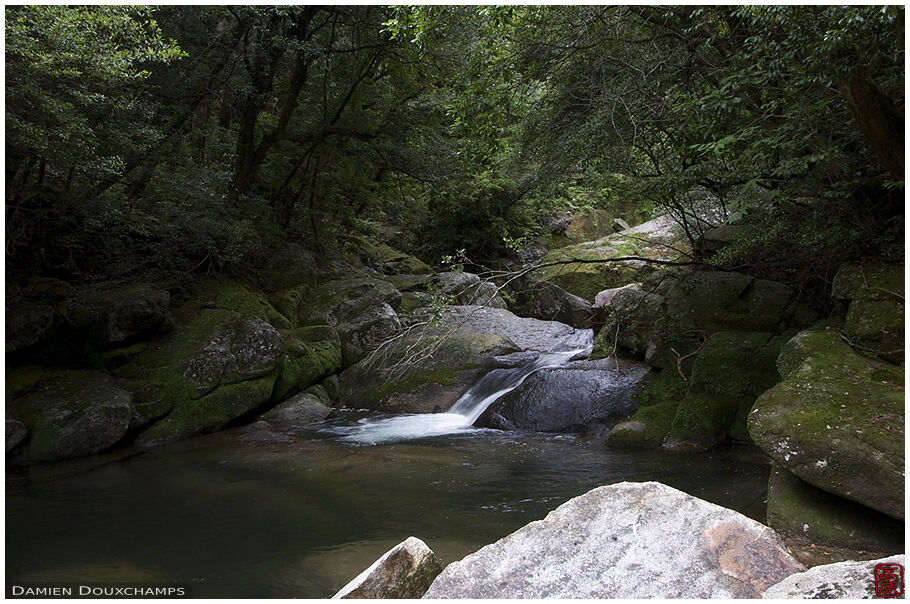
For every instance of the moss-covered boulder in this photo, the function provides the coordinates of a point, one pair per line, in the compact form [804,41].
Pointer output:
[110,316]
[737,363]
[467,288]
[875,316]
[801,512]
[715,301]
[363,311]
[216,366]
[313,353]
[28,326]
[424,372]
[659,394]
[633,319]
[703,420]
[68,413]
[836,421]
[552,303]
[395,262]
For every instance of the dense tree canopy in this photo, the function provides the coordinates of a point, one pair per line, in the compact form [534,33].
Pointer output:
[193,136]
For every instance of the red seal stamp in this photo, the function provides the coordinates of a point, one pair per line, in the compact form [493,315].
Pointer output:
[889,581]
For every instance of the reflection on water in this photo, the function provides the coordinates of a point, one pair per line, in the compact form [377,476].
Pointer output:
[243,517]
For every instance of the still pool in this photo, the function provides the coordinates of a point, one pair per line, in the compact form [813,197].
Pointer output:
[248,514]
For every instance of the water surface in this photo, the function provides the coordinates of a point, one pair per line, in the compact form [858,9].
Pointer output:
[241,514]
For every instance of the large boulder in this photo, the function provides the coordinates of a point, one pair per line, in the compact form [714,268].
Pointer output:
[467,289]
[627,540]
[34,313]
[216,366]
[716,301]
[843,580]
[659,395]
[836,421]
[404,572]
[569,399]
[430,367]
[553,303]
[362,310]
[68,413]
[395,262]
[312,353]
[299,410]
[587,225]
[875,316]
[805,514]
[634,320]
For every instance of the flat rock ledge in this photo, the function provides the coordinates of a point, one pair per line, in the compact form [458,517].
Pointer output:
[841,580]
[628,540]
[403,572]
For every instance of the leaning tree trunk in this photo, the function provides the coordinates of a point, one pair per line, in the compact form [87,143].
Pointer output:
[879,121]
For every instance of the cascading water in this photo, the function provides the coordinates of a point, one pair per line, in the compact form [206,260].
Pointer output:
[467,409]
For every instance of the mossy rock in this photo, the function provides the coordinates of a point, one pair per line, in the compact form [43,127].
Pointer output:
[737,363]
[313,353]
[646,429]
[30,325]
[214,411]
[836,421]
[395,262]
[855,281]
[230,295]
[702,421]
[632,319]
[300,410]
[443,368]
[287,267]
[877,327]
[712,301]
[195,368]
[68,413]
[798,510]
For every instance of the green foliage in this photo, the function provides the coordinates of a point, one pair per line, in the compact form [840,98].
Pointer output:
[75,75]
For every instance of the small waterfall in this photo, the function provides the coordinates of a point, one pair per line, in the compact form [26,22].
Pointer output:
[471,405]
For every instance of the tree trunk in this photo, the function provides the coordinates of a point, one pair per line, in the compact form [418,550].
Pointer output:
[879,122]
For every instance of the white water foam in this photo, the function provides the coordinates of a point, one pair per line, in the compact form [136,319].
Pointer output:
[467,409]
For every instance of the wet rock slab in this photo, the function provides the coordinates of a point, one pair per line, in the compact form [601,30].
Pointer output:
[628,540]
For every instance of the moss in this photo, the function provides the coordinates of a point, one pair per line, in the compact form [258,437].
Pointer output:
[23,380]
[587,225]
[703,419]
[660,388]
[312,354]
[211,412]
[737,364]
[646,429]
[834,423]
[231,295]
[413,380]
[849,282]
